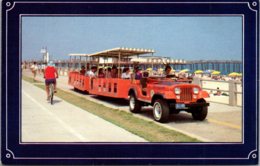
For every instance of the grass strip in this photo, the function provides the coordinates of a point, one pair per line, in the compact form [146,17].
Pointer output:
[30,80]
[148,130]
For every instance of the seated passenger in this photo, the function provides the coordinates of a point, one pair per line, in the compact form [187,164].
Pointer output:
[108,73]
[119,72]
[114,72]
[126,73]
[82,71]
[101,74]
[182,76]
[138,74]
[91,73]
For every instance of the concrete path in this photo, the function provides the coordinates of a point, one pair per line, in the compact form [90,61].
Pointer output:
[64,122]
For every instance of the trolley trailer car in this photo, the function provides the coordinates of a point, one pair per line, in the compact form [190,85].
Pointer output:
[110,87]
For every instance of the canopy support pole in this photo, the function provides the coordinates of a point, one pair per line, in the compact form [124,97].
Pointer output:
[119,64]
[152,61]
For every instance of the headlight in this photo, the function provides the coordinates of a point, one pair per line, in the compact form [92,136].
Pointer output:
[177,91]
[195,90]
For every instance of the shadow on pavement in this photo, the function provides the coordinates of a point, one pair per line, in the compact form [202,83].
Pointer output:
[79,91]
[55,101]
[176,118]
[146,111]
[115,101]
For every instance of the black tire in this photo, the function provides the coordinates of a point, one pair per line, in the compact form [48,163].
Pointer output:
[52,99]
[51,92]
[161,111]
[134,104]
[200,113]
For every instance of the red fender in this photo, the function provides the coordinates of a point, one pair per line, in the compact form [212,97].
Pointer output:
[203,94]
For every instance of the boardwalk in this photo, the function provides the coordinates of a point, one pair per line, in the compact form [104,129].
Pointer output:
[63,122]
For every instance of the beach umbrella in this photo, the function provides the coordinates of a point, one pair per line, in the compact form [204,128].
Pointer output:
[184,71]
[160,69]
[149,69]
[233,74]
[198,72]
[216,72]
[240,74]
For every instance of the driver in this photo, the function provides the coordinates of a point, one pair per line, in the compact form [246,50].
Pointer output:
[167,72]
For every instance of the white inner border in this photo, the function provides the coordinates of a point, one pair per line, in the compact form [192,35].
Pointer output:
[129,15]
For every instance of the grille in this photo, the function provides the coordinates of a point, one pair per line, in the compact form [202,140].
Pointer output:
[186,94]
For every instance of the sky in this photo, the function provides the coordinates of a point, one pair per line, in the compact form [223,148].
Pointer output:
[178,37]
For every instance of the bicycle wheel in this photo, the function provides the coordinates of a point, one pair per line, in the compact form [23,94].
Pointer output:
[51,93]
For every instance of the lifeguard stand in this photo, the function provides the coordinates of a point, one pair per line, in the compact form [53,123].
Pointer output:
[45,55]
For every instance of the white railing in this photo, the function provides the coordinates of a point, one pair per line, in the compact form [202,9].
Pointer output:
[231,91]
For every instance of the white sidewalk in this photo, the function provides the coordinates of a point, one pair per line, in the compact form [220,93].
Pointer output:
[64,122]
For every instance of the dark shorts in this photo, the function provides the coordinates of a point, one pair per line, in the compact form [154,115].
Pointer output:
[49,81]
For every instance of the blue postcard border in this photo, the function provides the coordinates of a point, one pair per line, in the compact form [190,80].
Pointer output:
[14,152]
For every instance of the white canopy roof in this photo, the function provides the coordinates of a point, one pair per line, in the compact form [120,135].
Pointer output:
[123,52]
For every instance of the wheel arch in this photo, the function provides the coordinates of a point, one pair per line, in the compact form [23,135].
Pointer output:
[155,97]
[201,100]
[131,91]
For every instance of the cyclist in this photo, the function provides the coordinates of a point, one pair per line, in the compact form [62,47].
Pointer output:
[50,76]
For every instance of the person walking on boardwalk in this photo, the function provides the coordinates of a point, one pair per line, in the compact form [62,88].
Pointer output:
[34,69]
[22,66]
[50,76]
